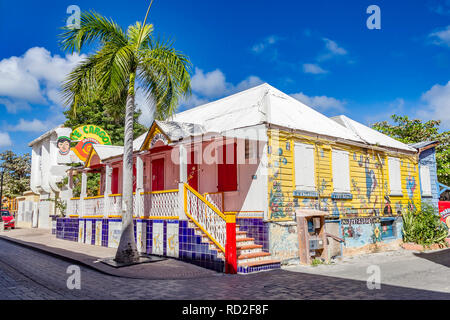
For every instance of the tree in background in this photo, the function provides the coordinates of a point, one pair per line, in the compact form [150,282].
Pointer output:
[414,130]
[108,115]
[16,179]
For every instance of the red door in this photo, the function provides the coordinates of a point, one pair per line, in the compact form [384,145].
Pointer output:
[115,181]
[158,174]
[227,170]
[192,171]
[134,178]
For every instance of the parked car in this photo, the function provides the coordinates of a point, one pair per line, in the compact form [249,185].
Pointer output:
[8,219]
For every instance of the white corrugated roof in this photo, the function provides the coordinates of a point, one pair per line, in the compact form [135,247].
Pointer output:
[179,130]
[107,151]
[370,135]
[260,104]
[137,143]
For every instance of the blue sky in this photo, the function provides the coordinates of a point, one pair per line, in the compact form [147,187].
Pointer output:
[320,52]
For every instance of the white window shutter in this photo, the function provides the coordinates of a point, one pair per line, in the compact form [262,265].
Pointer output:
[395,180]
[425,180]
[341,171]
[304,167]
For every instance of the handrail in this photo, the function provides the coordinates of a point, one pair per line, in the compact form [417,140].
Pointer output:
[160,191]
[209,204]
[212,207]
[94,197]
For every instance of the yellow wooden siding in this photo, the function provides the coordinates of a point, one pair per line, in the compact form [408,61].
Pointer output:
[369,180]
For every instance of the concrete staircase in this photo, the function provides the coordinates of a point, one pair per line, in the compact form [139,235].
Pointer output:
[250,256]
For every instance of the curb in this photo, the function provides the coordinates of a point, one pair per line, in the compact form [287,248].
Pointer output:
[92,266]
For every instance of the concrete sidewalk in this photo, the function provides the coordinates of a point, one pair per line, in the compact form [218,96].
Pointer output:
[429,270]
[80,253]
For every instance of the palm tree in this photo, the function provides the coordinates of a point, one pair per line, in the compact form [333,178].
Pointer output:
[123,62]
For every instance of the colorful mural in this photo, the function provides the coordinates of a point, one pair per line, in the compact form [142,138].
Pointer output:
[369,181]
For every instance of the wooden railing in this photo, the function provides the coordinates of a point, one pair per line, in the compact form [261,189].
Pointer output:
[217,226]
[74,207]
[215,198]
[155,204]
[94,205]
[159,203]
[115,205]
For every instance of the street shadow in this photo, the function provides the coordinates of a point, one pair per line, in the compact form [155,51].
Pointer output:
[441,257]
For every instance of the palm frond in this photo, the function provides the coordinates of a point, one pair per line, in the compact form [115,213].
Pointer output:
[164,75]
[139,36]
[93,27]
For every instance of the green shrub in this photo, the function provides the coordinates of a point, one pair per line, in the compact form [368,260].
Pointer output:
[316,261]
[424,226]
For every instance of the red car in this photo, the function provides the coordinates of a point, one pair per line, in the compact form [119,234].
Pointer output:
[8,219]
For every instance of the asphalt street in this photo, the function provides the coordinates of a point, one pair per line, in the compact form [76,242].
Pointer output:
[29,274]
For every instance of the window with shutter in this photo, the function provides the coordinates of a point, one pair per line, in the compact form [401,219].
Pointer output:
[304,167]
[425,181]
[341,171]
[395,181]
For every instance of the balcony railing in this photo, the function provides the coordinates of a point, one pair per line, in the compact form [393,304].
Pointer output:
[160,203]
[94,206]
[115,205]
[164,204]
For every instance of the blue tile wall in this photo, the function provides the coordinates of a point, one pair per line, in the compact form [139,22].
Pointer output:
[259,268]
[67,229]
[193,250]
[191,247]
[105,229]
[257,229]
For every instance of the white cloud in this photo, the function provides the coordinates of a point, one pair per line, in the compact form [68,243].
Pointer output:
[332,49]
[34,125]
[34,77]
[15,106]
[250,82]
[321,103]
[313,68]
[437,104]
[5,140]
[267,42]
[212,85]
[441,37]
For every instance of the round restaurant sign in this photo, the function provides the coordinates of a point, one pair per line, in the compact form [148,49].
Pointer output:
[86,136]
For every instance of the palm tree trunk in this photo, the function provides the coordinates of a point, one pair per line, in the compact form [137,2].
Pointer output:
[127,252]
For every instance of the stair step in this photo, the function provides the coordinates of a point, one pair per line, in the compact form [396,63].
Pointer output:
[244,239]
[248,246]
[259,263]
[253,255]
[241,232]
